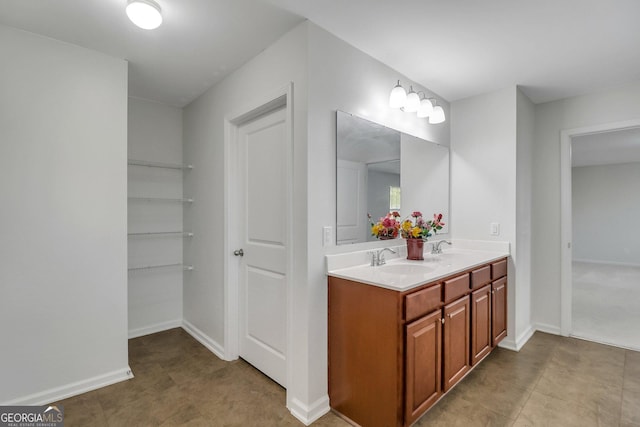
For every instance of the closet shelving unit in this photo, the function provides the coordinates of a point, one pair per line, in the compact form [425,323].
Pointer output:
[183,234]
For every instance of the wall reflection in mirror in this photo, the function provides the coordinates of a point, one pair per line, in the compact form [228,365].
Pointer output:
[381,170]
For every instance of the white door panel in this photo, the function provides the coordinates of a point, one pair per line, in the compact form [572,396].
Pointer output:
[263,270]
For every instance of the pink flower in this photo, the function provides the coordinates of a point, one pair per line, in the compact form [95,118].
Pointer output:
[416,214]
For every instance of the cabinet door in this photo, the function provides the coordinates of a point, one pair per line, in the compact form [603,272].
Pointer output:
[499,310]
[456,341]
[423,362]
[480,324]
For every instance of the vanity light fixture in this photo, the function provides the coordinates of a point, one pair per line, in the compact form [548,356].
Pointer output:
[412,103]
[437,116]
[398,96]
[426,107]
[144,13]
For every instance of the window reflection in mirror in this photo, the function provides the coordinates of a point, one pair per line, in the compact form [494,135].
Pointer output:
[379,168]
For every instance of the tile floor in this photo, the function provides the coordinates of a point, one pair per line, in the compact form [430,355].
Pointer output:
[606,300]
[552,381]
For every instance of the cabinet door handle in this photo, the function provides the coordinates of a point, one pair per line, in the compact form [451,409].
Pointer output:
[442,320]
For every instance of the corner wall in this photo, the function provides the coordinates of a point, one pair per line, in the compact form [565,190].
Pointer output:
[610,106]
[204,296]
[483,177]
[342,78]
[606,208]
[63,251]
[155,295]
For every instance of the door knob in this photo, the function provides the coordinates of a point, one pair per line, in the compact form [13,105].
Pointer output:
[238,252]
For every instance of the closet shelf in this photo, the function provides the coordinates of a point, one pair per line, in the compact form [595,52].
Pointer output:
[133,162]
[150,267]
[161,199]
[162,233]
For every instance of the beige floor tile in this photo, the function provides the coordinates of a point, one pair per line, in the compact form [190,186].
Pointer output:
[600,397]
[546,411]
[552,381]
[630,408]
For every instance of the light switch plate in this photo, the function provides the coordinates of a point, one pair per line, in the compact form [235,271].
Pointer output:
[327,235]
[494,229]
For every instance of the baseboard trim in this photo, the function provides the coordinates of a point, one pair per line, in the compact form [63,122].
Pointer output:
[73,389]
[549,329]
[596,261]
[586,337]
[204,339]
[308,414]
[520,341]
[152,329]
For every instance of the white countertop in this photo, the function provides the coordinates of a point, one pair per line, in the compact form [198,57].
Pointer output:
[400,274]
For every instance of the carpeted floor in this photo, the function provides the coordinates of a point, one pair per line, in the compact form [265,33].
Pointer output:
[606,304]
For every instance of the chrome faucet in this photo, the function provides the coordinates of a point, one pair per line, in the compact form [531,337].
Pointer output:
[377,257]
[436,249]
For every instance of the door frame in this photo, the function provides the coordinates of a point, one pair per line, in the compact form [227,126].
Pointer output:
[566,215]
[281,97]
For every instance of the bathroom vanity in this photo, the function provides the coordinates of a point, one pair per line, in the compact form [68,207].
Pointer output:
[401,335]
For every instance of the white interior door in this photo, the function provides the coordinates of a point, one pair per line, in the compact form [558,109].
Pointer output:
[262,291]
[352,226]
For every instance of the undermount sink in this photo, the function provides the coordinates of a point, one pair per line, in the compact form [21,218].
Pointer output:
[406,268]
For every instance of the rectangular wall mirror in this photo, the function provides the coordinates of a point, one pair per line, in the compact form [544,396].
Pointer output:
[381,170]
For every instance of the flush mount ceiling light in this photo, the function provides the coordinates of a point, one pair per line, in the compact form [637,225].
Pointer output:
[412,103]
[144,13]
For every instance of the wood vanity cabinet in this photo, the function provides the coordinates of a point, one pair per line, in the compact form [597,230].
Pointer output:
[393,355]
[481,332]
[423,365]
[456,341]
[499,311]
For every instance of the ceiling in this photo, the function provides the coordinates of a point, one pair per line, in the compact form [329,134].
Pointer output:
[197,45]
[606,148]
[552,49]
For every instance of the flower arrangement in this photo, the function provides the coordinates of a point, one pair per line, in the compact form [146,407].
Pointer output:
[387,227]
[418,228]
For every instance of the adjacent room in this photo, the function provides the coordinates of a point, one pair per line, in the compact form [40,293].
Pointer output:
[606,242]
[292,212]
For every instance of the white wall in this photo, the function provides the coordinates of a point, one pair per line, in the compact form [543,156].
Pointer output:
[606,208]
[155,295]
[483,179]
[525,122]
[609,106]
[425,180]
[203,120]
[342,78]
[334,76]
[63,251]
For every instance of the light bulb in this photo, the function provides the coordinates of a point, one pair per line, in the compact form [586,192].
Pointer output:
[425,109]
[413,101]
[437,116]
[144,13]
[398,96]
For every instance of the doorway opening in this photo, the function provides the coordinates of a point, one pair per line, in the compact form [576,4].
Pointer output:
[600,286]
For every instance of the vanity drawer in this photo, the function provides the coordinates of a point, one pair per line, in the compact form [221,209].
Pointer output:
[480,277]
[456,287]
[422,302]
[498,269]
